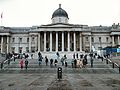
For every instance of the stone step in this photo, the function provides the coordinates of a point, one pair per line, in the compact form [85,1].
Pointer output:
[44,66]
[65,70]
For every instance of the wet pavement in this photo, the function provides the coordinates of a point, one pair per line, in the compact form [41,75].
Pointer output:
[100,77]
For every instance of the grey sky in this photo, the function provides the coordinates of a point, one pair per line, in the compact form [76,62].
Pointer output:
[37,12]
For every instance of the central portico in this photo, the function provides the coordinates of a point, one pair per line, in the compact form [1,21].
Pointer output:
[60,35]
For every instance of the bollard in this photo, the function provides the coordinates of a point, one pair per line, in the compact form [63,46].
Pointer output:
[113,65]
[59,72]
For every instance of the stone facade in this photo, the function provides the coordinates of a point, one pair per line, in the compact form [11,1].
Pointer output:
[58,36]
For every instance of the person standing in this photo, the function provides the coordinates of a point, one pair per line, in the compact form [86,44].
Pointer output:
[91,60]
[75,63]
[46,60]
[58,55]
[26,64]
[74,56]
[39,54]
[51,62]
[1,66]
[65,63]
[77,55]
[40,60]
[55,62]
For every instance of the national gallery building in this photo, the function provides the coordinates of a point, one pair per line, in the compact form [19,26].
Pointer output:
[59,36]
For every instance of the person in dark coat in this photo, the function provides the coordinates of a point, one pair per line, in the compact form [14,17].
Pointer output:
[75,63]
[51,62]
[8,61]
[91,60]
[26,63]
[40,60]
[77,55]
[84,63]
[39,54]
[55,62]
[1,65]
[74,56]
[65,63]
[46,60]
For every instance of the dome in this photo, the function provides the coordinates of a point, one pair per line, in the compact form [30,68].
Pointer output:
[60,12]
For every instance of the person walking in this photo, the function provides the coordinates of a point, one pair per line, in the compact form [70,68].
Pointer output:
[26,64]
[62,61]
[21,63]
[8,61]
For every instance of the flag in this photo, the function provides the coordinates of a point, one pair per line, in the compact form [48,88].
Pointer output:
[2,15]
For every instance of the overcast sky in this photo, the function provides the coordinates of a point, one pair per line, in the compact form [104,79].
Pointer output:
[37,12]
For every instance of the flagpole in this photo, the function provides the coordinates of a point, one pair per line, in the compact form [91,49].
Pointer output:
[1,21]
[1,18]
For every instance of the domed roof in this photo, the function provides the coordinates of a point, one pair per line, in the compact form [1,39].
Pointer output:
[60,12]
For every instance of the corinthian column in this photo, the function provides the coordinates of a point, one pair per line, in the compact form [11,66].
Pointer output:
[50,41]
[56,41]
[74,42]
[68,41]
[44,41]
[80,42]
[62,41]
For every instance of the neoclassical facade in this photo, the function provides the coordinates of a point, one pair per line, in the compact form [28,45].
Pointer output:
[58,36]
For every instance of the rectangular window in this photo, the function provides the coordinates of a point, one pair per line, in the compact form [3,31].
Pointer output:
[86,38]
[20,40]
[99,39]
[27,49]
[32,49]
[106,39]
[92,39]
[13,49]
[27,39]
[33,38]
[13,39]
[20,49]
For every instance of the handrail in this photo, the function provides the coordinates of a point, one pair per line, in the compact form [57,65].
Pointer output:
[113,63]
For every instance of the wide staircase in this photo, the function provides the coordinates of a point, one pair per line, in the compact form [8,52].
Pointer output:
[99,67]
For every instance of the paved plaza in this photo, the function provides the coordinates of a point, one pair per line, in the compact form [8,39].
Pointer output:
[100,77]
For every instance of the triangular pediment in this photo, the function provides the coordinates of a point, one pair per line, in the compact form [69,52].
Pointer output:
[58,25]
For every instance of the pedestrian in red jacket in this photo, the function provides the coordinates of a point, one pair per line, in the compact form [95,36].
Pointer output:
[21,63]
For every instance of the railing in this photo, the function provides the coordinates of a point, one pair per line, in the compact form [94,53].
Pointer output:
[113,64]
[5,62]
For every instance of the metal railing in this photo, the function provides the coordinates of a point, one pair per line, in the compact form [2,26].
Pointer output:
[112,64]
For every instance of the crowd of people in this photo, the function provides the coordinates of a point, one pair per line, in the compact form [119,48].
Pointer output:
[78,60]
